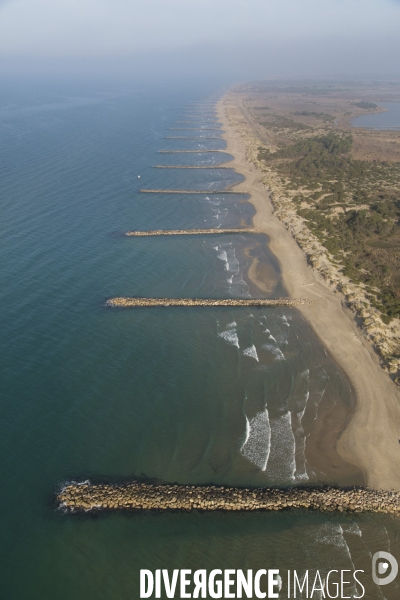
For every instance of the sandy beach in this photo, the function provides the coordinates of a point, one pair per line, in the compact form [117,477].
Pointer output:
[371,439]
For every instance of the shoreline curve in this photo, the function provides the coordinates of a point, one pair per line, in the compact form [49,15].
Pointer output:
[371,438]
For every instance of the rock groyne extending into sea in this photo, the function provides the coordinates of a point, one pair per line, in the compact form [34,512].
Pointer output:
[187,137]
[198,123]
[195,129]
[209,192]
[189,167]
[153,232]
[188,151]
[78,497]
[134,302]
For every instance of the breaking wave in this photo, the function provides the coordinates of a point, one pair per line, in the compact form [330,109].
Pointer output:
[257,442]
[251,352]
[282,463]
[230,336]
[278,354]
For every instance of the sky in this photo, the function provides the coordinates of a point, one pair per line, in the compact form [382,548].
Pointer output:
[361,33]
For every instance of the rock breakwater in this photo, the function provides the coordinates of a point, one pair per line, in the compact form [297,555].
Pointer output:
[188,167]
[187,151]
[134,302]
[187,137]
[208,192]
[153,232]
[78,497]
[197,123]
[194,129]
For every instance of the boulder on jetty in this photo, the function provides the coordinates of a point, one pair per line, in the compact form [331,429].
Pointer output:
[86,497]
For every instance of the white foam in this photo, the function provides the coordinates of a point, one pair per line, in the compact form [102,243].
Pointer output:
[220,211]
[332,534]
[246,433]
[238,287]
[282,464]
[277,352]
[251,352]
[227,254]
[257,442]
[233,324]
[233,263]
[354,528]
[236,284]
[222,255]
[327,544]
[285,321]
[230,336]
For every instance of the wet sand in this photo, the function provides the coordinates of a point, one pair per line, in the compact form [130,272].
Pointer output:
[371,438]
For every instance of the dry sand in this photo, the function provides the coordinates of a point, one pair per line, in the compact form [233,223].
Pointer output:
[371,439]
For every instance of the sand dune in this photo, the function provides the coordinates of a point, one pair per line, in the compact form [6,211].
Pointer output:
[371,440]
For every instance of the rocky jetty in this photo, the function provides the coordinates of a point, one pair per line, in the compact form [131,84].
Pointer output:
[78,497]
[153,232]
[133,302]
[196,123]
[189,167]
[208,192]
[187,151]
[187,137]
[194,129]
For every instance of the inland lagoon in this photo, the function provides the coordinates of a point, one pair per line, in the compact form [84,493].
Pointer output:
[389,119]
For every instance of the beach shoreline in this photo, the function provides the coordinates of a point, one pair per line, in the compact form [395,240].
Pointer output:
[371,438]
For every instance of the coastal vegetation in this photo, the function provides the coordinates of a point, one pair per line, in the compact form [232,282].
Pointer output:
[318,115]
[366,105]
[280,122]
[351,206]
[337,189]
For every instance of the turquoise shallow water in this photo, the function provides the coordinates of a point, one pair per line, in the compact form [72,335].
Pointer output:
[228,396]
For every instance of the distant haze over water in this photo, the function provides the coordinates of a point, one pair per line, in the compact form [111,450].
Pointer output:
[224,396]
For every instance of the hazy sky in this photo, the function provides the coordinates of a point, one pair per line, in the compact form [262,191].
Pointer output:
[255,37]
[104,27]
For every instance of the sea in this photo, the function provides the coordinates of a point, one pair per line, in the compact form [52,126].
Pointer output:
[232,396]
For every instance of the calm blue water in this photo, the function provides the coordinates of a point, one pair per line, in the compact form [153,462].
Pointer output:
[190,395]
[385,120]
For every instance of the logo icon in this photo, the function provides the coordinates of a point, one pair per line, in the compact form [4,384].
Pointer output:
[384,568]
